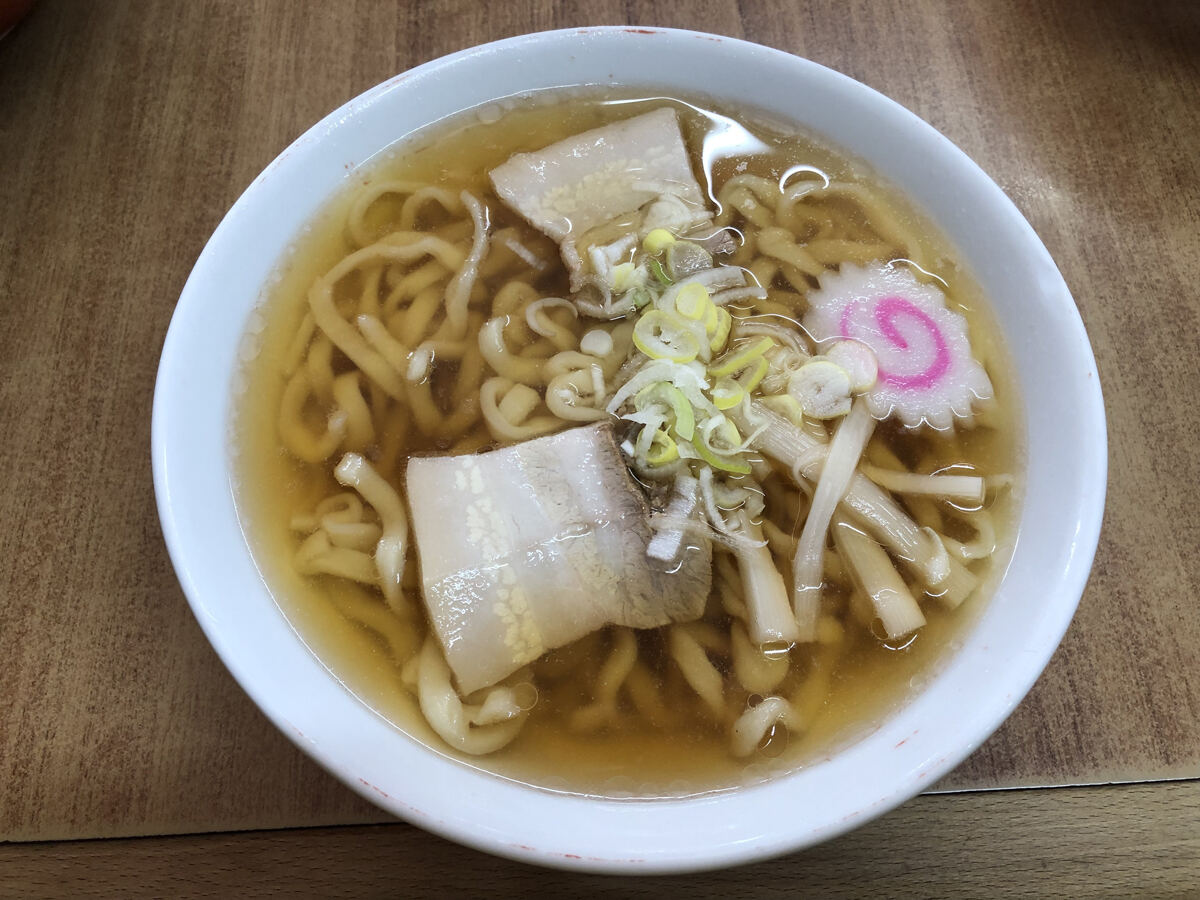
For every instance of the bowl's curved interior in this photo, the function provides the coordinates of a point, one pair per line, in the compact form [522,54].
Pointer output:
[1000,657]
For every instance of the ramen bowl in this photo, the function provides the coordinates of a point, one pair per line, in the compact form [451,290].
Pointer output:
[1000,655]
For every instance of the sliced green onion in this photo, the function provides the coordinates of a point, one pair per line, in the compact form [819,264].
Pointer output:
[663,335]
[688,377]
[742,358]
[624,277]
[721,427]
[787,406]
[658,240]
[646,436]
[822,388]
[724,457]
[727,393]
[640,296]
[692,302]
[858,360]
[657,270]
[720,333]
[723,463]
[662,449]
[750,382]
[666,393]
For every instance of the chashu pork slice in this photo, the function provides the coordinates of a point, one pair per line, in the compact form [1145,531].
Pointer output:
[602,185]
[534,546]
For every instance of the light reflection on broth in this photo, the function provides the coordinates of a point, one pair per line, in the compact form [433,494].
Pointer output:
[653,733]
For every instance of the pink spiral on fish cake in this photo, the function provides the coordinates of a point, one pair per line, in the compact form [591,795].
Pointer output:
[927,371]
[887,311]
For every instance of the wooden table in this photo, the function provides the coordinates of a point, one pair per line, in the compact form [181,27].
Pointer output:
[126,131]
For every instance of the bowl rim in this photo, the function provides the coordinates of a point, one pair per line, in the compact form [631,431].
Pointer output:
[612,817]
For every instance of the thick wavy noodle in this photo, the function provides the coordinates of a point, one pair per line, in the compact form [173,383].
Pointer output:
[424,316]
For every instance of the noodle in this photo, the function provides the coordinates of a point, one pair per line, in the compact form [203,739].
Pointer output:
[445,324]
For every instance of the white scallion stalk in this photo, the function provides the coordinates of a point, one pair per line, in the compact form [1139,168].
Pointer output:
[963,488]
[845,450]
[770,614]
[879,580]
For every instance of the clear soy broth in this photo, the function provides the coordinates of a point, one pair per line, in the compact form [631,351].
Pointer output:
[343,622]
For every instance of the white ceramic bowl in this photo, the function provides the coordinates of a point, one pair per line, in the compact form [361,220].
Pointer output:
[1000,658]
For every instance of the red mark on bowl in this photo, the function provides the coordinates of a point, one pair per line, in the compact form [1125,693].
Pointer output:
[379,791]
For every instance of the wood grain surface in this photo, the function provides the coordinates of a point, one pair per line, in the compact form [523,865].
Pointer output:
[1119,842]
[127,129]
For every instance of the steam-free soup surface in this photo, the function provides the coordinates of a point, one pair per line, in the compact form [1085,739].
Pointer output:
[656,735]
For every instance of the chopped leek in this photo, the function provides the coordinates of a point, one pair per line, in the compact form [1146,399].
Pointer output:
[663,335]
[727,393]
[657,241]
[657,270]
[720,332]
[624,277]
[742,358]
[646,436]
[662,449]
[688,377]
[639,296]
[723,463]
[750,381]
[666,393]
[859,362]
[787,406]
[720,435]
[692,302]
[717,444]
[822,388]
